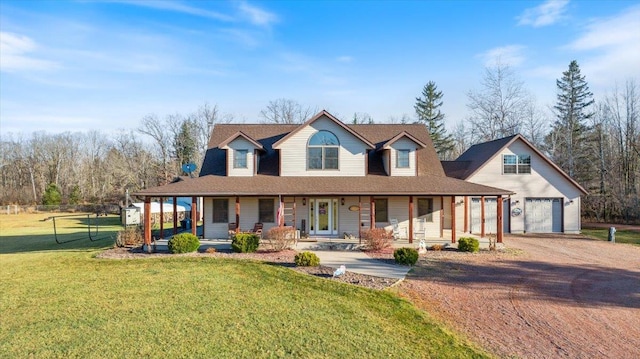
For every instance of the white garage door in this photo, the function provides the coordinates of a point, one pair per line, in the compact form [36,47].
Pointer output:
[490,216]
[543,215]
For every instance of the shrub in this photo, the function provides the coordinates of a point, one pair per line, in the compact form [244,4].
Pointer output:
[377,239]
[280,238]
[51,196]
[130,236]
[307,259]
[183,243]
[468,244]
[406,255]
[245,242]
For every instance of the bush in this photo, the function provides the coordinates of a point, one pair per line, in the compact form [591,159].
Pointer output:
[408,256]
[183,243]
[130,236]
[377,239]
[245,242]
[307,259]
[468,244]
[281,238]
[51,196]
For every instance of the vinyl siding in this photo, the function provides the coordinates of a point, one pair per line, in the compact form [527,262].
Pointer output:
[543,182]
[241,144]
[352,153]
[403,144]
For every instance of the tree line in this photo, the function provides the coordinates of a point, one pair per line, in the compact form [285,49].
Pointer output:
[595,142]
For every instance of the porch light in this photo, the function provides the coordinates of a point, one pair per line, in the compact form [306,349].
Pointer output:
[342,201]
[304,201]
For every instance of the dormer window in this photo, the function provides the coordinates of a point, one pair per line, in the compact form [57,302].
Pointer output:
[240,159]
[402,159]
[322,151]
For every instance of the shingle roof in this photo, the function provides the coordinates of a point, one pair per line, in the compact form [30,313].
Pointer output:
[261,185]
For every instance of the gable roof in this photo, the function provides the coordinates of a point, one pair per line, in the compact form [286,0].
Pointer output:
[477,156]
[231,138]
[402,134]
[319,115]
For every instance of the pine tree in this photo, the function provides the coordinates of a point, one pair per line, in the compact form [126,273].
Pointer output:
[569,137]
[185,143]
[52,195]
[428,112]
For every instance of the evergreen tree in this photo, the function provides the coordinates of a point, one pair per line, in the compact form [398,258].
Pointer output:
[51,195]
[185,143]
[75,195]
[569,140]
[428,112]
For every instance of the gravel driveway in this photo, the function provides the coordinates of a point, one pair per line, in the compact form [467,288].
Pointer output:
[544,297]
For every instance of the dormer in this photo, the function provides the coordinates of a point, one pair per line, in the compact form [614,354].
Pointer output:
[399,155]
[242,155]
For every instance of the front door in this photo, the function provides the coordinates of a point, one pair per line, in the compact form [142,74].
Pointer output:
[322,216]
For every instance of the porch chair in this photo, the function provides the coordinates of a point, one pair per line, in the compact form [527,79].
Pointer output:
[232,230]
[257,229]
[420,228]
[396,229]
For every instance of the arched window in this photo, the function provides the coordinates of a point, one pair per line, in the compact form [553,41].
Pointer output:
[322,151]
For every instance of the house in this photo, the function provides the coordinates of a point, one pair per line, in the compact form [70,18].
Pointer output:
[546,199]
[326,179]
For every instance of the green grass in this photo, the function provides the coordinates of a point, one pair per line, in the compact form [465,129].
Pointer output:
[622,236]
[61,301]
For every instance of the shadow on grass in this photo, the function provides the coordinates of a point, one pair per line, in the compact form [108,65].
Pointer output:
[590,285]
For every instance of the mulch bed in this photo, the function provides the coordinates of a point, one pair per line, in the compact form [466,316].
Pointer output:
[284,258]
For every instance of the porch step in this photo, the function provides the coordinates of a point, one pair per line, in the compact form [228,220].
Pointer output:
[334,246]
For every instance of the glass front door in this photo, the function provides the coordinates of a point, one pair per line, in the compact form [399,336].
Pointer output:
[322,216]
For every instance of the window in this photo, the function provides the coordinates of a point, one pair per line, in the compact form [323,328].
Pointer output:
[322,151]
[402,159]
[425,208]
[220,211]
[266,210]
[382,209]
[516,164]
[240,159]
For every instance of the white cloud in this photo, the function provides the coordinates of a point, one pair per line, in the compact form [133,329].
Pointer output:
[14,50]
[256,15]
[507,55]
[612,47]
[344,59]
[177,7]
[548,13]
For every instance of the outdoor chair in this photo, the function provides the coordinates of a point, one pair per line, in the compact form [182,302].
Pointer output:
[396,229]
[232,230]
[257,229]
[420,228]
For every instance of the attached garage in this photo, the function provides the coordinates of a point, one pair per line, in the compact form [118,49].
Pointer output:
[490,215]
[543,215]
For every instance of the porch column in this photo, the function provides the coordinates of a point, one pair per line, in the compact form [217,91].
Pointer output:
[481,216]
[466,214]
[441,216]
[372,219]
[161,218]
[194,215]
[499,230]
[410,219]
[175,215]
[237,214]
[453,219]
[147,223]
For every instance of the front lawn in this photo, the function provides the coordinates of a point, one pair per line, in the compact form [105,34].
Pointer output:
[60,301]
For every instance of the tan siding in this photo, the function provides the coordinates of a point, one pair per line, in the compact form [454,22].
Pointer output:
[293,153]
[216,230]
[543,182]
[403,144]
[348,220]
[240,144]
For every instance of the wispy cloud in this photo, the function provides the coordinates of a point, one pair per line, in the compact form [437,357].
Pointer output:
[345,59]
[177,6]
[16,49]
[612,46]
[507,55]
[256,15]
[548,13]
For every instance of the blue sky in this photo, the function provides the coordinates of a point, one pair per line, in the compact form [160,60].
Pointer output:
[83,65]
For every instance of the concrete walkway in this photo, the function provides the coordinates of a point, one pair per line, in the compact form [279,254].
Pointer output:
[358,262]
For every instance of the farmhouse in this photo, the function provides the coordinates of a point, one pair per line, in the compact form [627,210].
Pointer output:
[545,198]
[329,179]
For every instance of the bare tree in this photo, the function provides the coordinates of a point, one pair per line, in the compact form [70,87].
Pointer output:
[361,118]
[285,111]
[497,109]
[153,127]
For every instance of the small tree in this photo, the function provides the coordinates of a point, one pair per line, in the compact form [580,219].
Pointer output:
[428,111]
[51,195]
[75,195]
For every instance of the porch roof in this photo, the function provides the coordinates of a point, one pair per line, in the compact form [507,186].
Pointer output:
[264,185]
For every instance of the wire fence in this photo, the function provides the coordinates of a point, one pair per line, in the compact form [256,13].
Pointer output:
[100,209]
